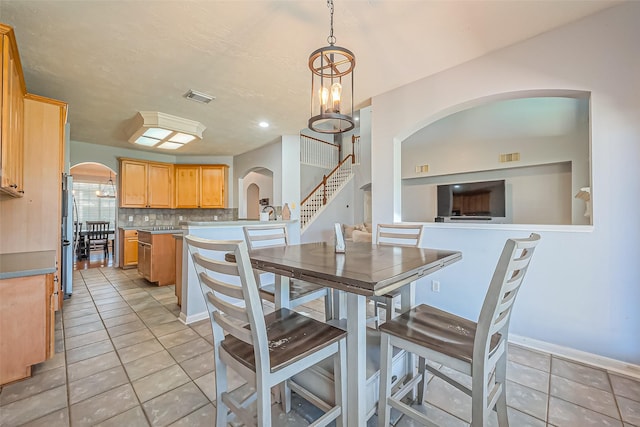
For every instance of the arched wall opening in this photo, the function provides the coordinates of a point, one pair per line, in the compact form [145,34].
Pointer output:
[538,142]
[255,182]
[95,199]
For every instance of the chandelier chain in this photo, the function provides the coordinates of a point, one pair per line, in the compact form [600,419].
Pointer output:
[331,39]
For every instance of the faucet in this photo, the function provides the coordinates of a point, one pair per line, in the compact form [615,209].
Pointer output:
[273,210]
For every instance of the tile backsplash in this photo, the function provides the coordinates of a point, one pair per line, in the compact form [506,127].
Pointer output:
[163,217]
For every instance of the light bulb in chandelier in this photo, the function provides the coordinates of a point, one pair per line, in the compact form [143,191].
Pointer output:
[336,92]
[324,97]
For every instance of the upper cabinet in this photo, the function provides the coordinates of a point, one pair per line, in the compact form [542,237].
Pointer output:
[201,186]
[145,184]
[12,117]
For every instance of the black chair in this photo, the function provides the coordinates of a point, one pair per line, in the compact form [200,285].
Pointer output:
[79,242]
[98,236]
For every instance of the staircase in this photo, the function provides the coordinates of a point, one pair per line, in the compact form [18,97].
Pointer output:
[331,183]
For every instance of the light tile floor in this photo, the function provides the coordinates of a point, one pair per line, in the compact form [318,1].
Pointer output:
[123,359]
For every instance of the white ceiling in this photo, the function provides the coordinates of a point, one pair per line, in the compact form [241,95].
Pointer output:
[110,59]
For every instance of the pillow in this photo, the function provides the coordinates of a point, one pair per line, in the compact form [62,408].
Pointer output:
[348,231]
[361,236]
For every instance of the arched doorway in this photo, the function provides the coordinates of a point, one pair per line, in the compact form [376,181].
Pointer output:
[255,185]
[94,199]
[253,201]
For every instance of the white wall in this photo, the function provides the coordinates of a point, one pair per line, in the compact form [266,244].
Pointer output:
[583,286]
[341,209]
[268,157]
[291,174]
[264,182]
[525,188]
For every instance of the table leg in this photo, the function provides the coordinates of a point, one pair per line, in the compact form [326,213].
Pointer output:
[356,360]
[282,284]
[407,300]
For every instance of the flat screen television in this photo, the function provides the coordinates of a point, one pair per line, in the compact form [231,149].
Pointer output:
[483,200]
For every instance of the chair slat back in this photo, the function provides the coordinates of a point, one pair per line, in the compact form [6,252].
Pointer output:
[399,234]
[505,284]
[230,291]
[98,230]
[265,236]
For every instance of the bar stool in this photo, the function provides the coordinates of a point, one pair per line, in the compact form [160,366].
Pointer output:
[475,349]
[398,235]
[300,292]
[264,350]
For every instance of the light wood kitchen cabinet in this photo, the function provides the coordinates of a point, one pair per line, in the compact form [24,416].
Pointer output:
[201,186]
[145,184]
[26,325]
[12,116]
[187,180]
[128,248]
[156,257]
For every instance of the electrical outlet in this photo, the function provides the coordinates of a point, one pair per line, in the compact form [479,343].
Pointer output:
[146,218]
[435,286]
[130,218]
[215,217]
[180,217]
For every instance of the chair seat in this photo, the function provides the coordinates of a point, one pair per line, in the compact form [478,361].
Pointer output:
[291,337]
[297,289]
[433,328]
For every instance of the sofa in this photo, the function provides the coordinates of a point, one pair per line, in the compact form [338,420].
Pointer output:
[357,232]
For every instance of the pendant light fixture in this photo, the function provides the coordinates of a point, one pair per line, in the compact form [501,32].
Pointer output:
[108,190]
[331,86]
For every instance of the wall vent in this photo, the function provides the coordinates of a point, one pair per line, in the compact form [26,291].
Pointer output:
[422,168]
[509,157]
[199,96]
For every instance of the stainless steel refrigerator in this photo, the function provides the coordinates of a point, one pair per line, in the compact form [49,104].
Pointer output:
[66,270]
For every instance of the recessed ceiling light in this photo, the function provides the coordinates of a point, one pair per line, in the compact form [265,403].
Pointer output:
[264,124]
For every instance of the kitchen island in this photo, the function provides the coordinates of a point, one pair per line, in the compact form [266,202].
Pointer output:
[193,307]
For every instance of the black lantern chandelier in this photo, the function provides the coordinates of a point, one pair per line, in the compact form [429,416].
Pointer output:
[331,86]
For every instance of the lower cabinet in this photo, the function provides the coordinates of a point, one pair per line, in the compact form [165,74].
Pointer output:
[156,257]
[128,248]
[26,325]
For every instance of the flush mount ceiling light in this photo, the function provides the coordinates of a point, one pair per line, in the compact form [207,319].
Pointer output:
[160,130]
[331,86]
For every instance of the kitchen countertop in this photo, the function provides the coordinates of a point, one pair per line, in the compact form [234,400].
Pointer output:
[167,231]
[236,223]
[155,230]
[22,264]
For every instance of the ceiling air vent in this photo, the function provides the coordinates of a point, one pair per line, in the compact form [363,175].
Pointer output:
[509,157]
[422,168]
[199,96]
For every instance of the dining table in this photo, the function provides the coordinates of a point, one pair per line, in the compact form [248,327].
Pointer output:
[82,245]
[362,270]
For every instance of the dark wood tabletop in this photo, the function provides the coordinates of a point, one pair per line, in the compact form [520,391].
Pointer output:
[364,269]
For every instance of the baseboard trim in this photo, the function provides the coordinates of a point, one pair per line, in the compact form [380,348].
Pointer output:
[193,318]
[613,365]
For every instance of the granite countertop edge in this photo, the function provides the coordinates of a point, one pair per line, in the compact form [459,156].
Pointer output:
[234,223]
[24,264]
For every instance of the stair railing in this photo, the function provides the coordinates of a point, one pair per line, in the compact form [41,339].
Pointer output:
[316,152]
[320,195]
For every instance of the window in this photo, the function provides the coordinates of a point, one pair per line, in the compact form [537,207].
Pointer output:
[90,207]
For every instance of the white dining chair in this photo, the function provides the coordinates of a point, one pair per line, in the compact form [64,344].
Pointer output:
[264,350]
[475,349]
[300,292]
